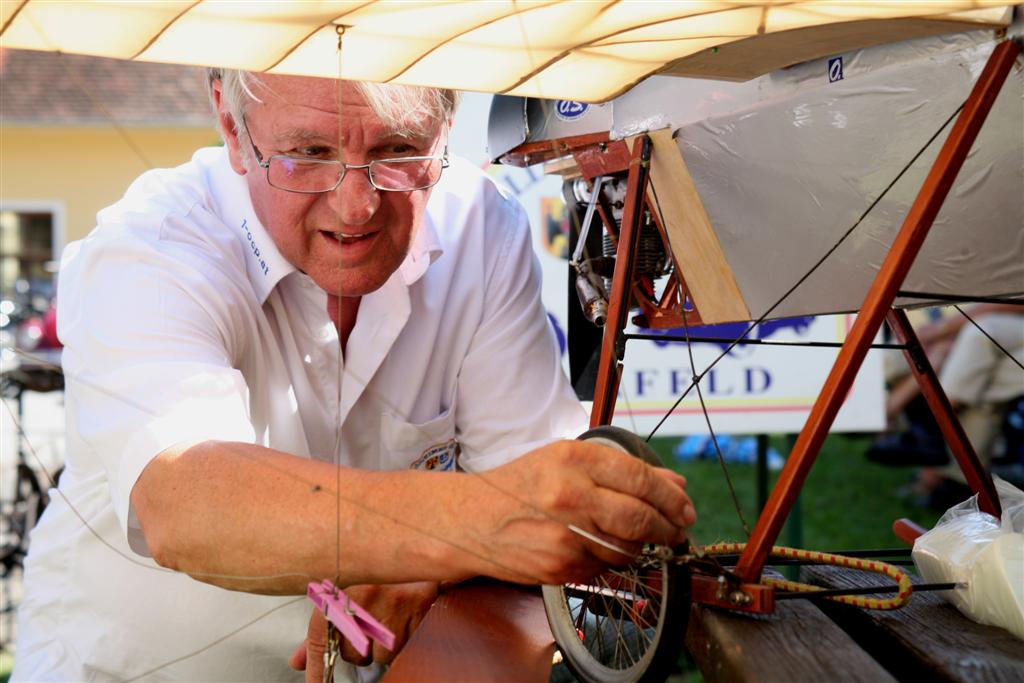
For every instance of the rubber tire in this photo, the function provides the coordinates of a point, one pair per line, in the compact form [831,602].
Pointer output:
[660,658]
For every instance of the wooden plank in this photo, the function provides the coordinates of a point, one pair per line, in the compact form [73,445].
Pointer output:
[695,247]
[565,167]
[926,640]
[796,643]
[479,632]
[751,57]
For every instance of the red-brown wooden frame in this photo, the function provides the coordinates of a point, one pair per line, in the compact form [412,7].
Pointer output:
[878,304]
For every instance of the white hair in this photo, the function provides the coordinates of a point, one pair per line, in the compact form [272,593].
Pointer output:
[399,106]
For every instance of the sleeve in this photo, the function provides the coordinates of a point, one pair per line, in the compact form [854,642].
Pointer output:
[513,395]
[147,359]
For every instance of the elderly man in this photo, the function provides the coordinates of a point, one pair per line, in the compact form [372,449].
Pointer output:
[265,350]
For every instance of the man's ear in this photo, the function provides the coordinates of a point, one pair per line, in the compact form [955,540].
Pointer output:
[228,130]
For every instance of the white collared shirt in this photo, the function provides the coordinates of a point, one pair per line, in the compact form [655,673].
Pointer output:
[182,322]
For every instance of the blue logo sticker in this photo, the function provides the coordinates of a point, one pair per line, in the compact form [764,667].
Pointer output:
[835,69]
[569,110]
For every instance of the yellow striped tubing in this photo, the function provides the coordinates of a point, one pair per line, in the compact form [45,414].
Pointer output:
[904,588]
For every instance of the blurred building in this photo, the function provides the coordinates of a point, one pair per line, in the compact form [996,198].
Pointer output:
[74,132]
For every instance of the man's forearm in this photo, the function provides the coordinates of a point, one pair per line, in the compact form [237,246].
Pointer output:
[249,518]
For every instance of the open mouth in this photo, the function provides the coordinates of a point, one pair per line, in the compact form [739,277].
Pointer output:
[349,238]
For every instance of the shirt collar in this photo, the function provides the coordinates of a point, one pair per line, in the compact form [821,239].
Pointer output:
[424,250]
[264,264]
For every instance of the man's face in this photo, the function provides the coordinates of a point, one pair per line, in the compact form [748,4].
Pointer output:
[302,117]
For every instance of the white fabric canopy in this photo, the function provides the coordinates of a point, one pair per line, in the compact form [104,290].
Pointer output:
[589,50]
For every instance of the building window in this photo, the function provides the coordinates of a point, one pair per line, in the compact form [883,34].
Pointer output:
[27,256]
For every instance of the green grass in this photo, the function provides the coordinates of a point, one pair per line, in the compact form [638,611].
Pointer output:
[847,501]
[6,664]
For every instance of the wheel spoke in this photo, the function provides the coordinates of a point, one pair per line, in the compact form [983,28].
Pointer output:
[631,609]
[625,609]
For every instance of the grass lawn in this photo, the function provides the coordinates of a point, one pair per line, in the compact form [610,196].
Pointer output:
[847,501]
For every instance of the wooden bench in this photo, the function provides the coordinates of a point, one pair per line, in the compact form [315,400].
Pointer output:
[928,640]
[484,632]
[798,642]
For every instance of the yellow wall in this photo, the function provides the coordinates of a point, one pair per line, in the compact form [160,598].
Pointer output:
[86,169]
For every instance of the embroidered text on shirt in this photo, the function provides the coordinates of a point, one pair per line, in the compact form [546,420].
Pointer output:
[255,250]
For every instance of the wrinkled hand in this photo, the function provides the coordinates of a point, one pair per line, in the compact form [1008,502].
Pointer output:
[525,509]
[400,607]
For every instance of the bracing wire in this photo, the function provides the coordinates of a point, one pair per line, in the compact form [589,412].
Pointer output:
[811,271]
[990,337]
[215,642]
[354,501]
[629,408]
[339,376]
[684,294]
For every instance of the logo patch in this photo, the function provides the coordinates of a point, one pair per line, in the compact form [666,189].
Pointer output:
[570,110]
[835,69]
[443,457]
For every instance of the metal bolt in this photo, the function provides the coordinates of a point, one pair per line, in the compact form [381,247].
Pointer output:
[740,598]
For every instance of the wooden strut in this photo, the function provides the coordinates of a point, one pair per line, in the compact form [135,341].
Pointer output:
[610,363]
[877,305]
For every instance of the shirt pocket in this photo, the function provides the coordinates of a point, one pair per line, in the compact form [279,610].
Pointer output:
[429,445]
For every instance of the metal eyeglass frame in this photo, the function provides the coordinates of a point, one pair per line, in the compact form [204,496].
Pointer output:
[265,164]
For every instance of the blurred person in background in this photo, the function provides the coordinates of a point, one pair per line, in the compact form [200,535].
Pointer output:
[982,383]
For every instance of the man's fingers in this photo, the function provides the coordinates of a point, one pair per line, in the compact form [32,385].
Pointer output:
[632,520]
[298,659]
[674,477]
[350,655]
[626,474]
[381,654]
[689,516]
[316,643]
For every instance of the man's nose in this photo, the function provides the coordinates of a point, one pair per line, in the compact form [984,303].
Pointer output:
[355,200]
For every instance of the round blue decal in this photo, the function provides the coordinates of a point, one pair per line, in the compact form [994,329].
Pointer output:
[570,110]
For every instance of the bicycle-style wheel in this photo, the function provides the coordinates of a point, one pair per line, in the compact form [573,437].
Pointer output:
[629,623]
[18,514]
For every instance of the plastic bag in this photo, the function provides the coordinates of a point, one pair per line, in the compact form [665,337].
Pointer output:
[984,555]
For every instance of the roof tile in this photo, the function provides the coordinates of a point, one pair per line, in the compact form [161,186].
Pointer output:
[50,88]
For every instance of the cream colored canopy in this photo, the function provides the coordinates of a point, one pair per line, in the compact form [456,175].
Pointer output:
[589,50]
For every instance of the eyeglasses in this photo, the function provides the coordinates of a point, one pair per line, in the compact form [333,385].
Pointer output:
[313,176]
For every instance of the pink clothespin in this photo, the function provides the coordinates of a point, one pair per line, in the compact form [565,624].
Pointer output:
[356,624]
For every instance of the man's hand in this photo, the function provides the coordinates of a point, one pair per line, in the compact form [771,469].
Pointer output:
[400,607]
[522,512]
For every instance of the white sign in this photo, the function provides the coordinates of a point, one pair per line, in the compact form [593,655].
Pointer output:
[752,389]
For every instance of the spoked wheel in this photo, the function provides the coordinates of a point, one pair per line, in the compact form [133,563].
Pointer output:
[628,624]
[17,517]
